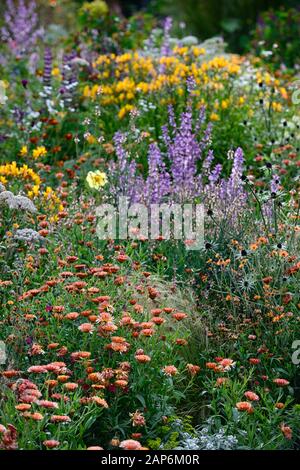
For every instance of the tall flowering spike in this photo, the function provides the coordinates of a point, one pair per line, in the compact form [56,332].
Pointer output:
[69,80]
[184,151]
[235,184]
[190,84]
[157,184]
[165,47]
[124,172]
[275,184]
[21,30]
[215,174]
[227,196]
[47,67]
[176,175]
[208,161]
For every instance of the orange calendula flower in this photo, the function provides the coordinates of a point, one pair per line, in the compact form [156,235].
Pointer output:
[244,406]
[170,370]
[251,396]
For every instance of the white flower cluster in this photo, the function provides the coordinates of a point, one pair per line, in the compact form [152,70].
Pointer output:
[23,203]
[204,440]
[28,235]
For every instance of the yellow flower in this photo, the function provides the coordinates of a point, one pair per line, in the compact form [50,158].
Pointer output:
[214,117]
[225,104]
[91,139]
[24,150]
[96,179]
[39,152]
[277,106]
[56,72]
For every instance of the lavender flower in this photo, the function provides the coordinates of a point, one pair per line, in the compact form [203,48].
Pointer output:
[154,192]
[275,184]
[21,30]
[176,174]
[124,172]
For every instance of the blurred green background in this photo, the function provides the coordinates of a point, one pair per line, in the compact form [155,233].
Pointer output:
[233,19]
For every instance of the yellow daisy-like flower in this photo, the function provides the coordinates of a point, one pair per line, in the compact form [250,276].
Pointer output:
[39,152]
[55,72]
[96,179]
[24,150]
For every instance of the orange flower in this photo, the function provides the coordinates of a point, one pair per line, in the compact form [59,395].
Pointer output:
[254,360]
[193,370]
[286,431]
[281,382]
[226,364]
[179,316]
[221,381]
[10,373]
[279,405]
[72,316]
[80,355]
[158,320]
[244,406]
[170,370]
[51,443]
[211,365]
[60,419]
[70,386]
[53,345]
[130,444]
[47,404]
[51,383]
[251,396]
[95,377]
[181,341]
[100,401]
[142,358]
[121,383]
[155,312]
[23,407]
[86,328]
[147,332]
[94,448]
[37,369]
[35,416]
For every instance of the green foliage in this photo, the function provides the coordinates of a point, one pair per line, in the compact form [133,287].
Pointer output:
[276,37]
